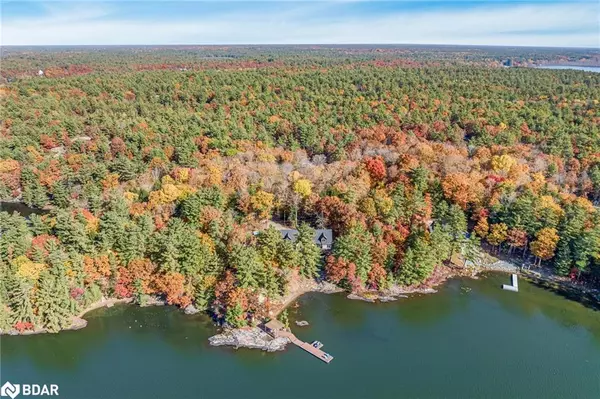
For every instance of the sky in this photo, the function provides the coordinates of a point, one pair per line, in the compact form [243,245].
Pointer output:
[552,23]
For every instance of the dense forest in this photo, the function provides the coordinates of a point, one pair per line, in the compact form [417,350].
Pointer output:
[156,170]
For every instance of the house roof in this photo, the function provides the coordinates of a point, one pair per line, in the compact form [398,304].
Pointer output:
[322,236]
[274,325]
[289,234]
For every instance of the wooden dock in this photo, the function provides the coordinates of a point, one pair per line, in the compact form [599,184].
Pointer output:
[316,352]
[514,286]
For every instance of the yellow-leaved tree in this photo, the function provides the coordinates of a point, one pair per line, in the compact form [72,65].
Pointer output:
[28,269]
[497,234]
[545,244]
[503,163]
[262,203]
[303,187]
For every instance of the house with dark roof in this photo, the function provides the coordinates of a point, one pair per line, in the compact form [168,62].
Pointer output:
[289,234]
[323,237]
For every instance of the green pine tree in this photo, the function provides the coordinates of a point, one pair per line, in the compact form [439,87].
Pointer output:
[6,317]
[471,249]
[288,257]
[37,225]
[441,243]
[563,259]
[15,237]
[269,280]
[309,254]
[269,245]
[138,293]
[19,300]
[60,195]
[235,316]
[248,265]
[455,223]
[355,246]
[71,232]
[203,295]
[418,263]
[34,194]
[284,318]
[53,303]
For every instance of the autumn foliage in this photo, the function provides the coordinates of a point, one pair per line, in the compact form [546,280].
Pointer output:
[162,182]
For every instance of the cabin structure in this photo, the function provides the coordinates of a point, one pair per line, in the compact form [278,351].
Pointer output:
[323,237]
[274,328]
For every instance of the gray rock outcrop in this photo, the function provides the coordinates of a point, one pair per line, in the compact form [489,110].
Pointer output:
[190,309]
[502,266]
[253,338]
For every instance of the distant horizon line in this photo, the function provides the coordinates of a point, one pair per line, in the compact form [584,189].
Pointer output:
[300,44]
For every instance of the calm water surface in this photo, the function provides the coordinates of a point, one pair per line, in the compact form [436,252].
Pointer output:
[578,68]
[471,340]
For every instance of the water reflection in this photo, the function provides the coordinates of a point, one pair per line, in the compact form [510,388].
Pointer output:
[54,351]
[532,300]
[122,323]
[429,309]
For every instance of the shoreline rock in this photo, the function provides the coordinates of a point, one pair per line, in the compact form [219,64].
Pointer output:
[402,292]
[359,298]
[326,287]
[251,338]
[501,266]
[154,301]
[78,323]
[389,298]
[190,309]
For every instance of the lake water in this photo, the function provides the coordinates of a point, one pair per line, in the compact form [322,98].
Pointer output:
[20,208]
[471,340]
[579,68]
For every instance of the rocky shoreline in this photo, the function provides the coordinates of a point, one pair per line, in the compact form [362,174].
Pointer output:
[392,294]
[249,337]
[501,266]
[255,338]
[395,292]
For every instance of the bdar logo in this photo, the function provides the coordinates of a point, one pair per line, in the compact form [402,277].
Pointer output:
[14,390]
[9,389]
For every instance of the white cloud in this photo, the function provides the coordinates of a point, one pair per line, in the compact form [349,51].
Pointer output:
[575,24]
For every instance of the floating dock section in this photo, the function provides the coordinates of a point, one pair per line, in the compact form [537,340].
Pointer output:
[314,349]
[514,286]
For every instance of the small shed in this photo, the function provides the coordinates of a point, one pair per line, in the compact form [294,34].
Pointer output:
[273,327]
